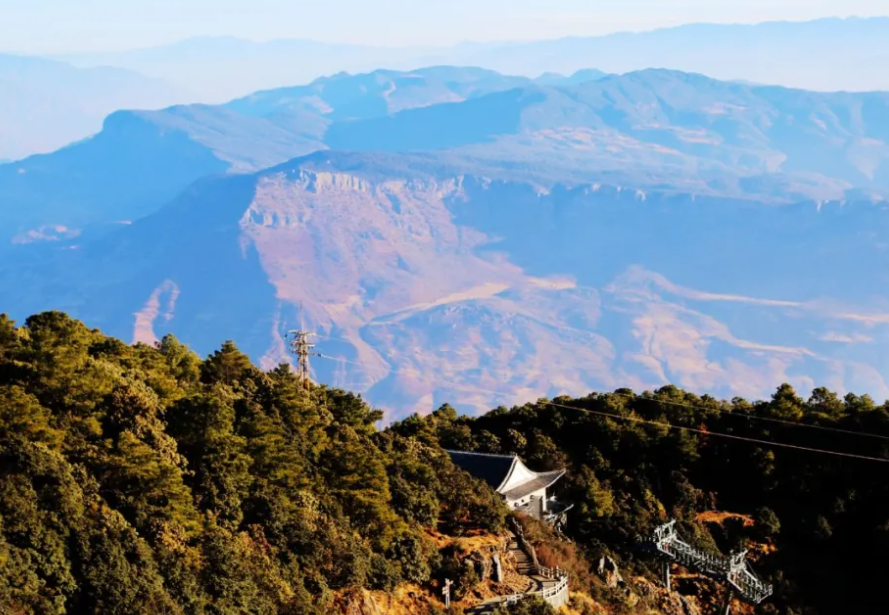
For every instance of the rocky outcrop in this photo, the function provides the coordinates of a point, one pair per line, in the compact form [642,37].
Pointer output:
[482,565]
[666,602]
[642,591]
[358,603]
[497,568]
[609,572]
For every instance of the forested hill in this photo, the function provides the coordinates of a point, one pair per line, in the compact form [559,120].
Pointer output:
[817,524]
[143,479]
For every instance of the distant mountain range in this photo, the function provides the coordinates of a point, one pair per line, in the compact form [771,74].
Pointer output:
[45,104]
[142,159]
[826,54]
[653,130]
[429,287]
[460,235]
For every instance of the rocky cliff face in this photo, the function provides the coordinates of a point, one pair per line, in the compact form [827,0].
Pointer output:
[398,287]
[431,286]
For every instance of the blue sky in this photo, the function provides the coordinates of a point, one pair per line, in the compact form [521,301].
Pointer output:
[60,26]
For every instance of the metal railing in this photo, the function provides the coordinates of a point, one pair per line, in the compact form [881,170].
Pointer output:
[556,596]
[734,569]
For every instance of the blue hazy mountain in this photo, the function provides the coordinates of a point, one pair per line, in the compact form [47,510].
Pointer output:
[826,54]
[580,76]
[435,284]
[378,93]
[657,128]
[45,104]
[142,159]
[222,68]
[138,162]
[458,235]
[650,130]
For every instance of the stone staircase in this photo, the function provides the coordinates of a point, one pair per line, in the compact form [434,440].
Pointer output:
[526,580]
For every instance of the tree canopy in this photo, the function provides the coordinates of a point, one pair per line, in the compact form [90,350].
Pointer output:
[142,479]
[818,523]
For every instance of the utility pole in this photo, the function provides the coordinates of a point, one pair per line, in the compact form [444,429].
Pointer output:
[446,590]
[301,346]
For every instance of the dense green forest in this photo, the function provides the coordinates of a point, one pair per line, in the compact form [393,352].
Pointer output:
[141,479]
[136,479]
[823,518]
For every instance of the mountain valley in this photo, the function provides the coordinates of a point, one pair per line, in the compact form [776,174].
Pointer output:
[591,325]
[459,235]
[429,286]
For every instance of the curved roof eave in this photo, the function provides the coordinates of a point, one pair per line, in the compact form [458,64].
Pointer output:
[543,480]
[515,461]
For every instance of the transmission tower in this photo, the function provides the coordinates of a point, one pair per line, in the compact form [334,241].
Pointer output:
[302,347]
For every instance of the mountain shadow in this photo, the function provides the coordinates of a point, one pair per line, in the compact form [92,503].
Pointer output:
[438,127]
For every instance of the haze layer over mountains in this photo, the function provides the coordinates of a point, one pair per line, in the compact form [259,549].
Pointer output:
[45,105]
[827,54]
[477,237]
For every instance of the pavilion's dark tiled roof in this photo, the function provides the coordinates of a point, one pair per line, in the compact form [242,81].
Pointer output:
[542,481]
[493,469]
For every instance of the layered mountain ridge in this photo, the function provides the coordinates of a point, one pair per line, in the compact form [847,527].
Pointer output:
[485,239]
[428,285]
[823,54]
[653,130]
[45,104]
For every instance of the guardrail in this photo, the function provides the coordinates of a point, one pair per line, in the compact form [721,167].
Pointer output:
[734,569]
[556,595]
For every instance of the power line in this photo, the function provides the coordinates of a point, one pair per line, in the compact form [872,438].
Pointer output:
[704,432]
[692,429]
[753,416]
[719,410]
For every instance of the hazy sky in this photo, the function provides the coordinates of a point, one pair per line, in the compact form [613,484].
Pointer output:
[58,26]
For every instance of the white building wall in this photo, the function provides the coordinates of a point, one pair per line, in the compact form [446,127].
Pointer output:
[513,504]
